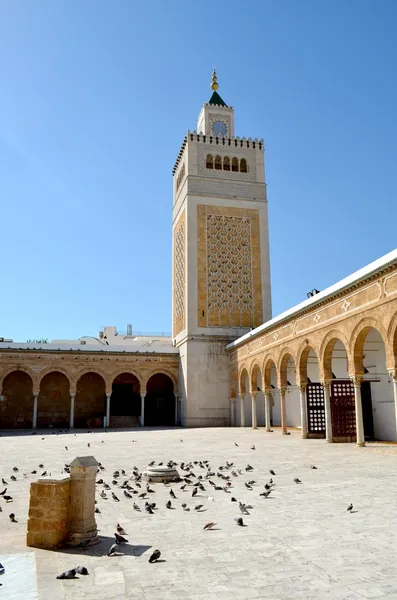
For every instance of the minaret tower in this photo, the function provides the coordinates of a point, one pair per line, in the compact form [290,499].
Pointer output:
[221,273]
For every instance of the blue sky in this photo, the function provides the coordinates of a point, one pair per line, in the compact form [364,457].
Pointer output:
[96,97]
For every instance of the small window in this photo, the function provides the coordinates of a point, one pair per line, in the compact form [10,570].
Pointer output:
[226,163]
[243,166]
[210,161]
[235,164]
[218,163]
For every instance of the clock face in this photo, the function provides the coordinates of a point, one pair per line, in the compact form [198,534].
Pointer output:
[219,128]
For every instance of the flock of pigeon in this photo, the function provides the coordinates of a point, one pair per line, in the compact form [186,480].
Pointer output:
[197,478]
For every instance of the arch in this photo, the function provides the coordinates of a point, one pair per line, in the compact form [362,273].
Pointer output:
[86,370]
[16,409]
[243,165]
[167,372]
[90,401]
[226,163]
[285,357]
[209,162]
[326,349]
[233,383]
[11,370]
[160,400]
[218,163]
[302,359]
[56,369]
[119,372]
[358,337]
[268,363]
[53,404]
[242,379]
[392,341]
[255,371]
[125,401]
[235,164]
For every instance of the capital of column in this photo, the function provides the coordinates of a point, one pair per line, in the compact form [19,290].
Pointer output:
[392,374]
[356,379]
[302,387]
[72,395]
[283,390]
[253,394]
[325,382]
[36,393]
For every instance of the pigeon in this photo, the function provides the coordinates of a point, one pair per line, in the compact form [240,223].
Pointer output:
[120,530]
[243,509]
[168,504]
[8,498]
[15,469]
[135,506]
[209,525]
[89,445]
[103,494]
[71,574]
[194,492]
[66,448]
[350,508]
[97,510]
[82,570]
[155,556]
[185,506]
[120,539]
[233,499]
[249,468]
[198,507]
[13,478]
[3,492]
[297,480]
[149,509]
[2,569]
[248,486]
[239,521]
[115,497]
[271,472]
[12,518]
[113,549]
[4,482]
[266,493]
[235,443]
[253,447]
[313,467]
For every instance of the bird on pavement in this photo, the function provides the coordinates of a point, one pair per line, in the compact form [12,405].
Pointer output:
[12,518]
[198,507]
[120,530]
[120,539]
[168,504]
[209,525]
[113,550]
[194,492]
[235,443]
[271,472]
[313,467]
[239,521]
[3,481]
[350,508]
[70,574]
[185,506]
[115,497]
[297,480]
[172,494]
[3,492]
[82,570]
[266,493]
[155,556]
[135,506]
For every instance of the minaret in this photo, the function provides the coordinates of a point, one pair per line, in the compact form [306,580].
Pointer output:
[221,273]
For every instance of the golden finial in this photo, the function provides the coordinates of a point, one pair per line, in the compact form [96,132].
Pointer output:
[214,84]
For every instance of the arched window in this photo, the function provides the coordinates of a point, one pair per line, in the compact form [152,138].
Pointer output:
[234,164]
[226,163]
[243,166]
[218,163]
[210,162]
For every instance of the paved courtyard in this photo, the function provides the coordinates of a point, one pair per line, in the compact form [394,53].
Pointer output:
[299,543]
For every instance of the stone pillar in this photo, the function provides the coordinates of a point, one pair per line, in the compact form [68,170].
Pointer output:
[242,412]
[35,399]
[71,419]
[303,407]
[108,409]
[253,410]
[232,412]
[143,409]
[283,391]
[268,408]
[82,525]
[176,408]
[356,380]
[328,416]
[393,375]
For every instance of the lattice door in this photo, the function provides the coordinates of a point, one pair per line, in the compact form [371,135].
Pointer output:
[343,410]
[315,408]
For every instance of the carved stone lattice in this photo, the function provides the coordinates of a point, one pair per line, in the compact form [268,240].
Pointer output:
[343,411]
[179,277]
[315,408]
[229,271]
[37,368]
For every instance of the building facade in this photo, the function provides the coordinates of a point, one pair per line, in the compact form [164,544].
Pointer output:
[327,366]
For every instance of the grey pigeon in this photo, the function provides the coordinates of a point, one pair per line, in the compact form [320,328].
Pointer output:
[120,539]
[198,507]
[236,444]
[136,507]
[120,530]
[12,518]
[239,521]
[266,493]
[271,472]
[194,492]
[3,492]
[313,467]
[297,480]
[115,497]
[71,574]
[82,570]
[2,569]
[350,508]
[3,481]
[155,556]
[168,504]
[172,494]
[113,549]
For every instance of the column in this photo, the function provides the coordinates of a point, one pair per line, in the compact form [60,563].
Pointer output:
[176,408]
[143,409]
[393,375]
[253,410]
[71,420]
[356,380]
[268,408]
[108,409]
[328,416]
[283,391]
[233,412]
[303,407]
[35,398]
[82,525]
[242,412]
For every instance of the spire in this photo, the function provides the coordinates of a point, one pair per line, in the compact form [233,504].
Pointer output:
[215,98]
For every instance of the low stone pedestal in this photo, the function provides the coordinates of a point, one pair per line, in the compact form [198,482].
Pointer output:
[82,524]
[48,512]
[160,474]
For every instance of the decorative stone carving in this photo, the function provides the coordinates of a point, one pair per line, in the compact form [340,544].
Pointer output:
[179,276]
[37,368]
